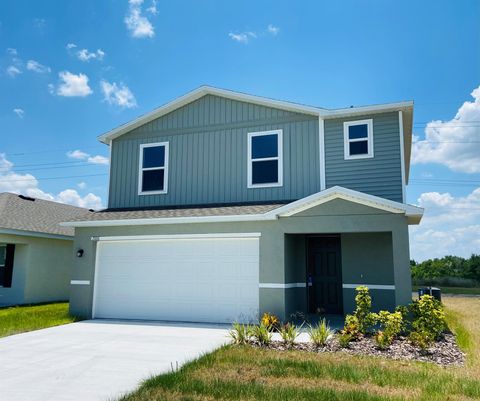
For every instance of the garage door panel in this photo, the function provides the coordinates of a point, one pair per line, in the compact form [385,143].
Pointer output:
[204,280]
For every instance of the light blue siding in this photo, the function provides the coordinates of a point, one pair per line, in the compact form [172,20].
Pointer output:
[380,175]
[208,155]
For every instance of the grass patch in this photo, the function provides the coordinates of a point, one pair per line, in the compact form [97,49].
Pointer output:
[20,319]
[246,373]
[454,290]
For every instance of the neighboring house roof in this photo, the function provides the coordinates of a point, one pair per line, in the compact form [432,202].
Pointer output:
[23,214]
[244,213]
[406,107]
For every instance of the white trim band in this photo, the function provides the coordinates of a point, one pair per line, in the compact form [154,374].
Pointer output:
[282,285]
[370,286]
[80,282]
[176,236]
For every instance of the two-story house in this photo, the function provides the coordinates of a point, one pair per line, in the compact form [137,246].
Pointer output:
[224,205]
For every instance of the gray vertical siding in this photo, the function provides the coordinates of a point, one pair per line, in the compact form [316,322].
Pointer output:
[208,155]
[380,175]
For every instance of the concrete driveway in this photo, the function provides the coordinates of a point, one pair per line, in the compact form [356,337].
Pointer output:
[97,360]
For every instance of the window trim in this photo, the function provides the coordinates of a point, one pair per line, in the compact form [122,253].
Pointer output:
[250,160]
[164,168]
[347,141]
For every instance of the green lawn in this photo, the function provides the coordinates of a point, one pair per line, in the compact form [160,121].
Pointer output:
[455,290]
[19,319]
[245,373]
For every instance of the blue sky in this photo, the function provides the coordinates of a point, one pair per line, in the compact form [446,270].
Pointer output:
[70,71]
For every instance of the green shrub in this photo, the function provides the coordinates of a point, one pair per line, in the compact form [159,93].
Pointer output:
[421,339]
[261,333]
[344,339]
[383,341]
[351,327]
[363,313]
[428,317]
[391,325]
[240,333]
[289,333]
[270,321]
[320,334]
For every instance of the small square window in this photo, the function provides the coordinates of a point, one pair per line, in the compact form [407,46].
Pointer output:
[358,139]
[265,159]
[153,173]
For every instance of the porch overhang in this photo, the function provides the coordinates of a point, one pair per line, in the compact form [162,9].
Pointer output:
[273,212]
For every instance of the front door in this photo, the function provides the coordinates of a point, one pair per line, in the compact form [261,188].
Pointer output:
[324,275]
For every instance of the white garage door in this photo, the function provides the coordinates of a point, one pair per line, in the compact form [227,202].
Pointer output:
[194,279]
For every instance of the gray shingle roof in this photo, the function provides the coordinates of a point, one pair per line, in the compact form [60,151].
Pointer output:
[190,212]
[39,215]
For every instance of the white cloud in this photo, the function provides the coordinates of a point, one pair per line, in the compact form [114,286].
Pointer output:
[85,55]
[19,112]
[27,184]
[13,71]
[72,85]
[82,185]
[153,8]
[273,30]
[243,37]
[119,95]
[451,225]
[12,51]
[70,46]
[137,24]
[35,66]
[98,160]
[452,143]
[79,155]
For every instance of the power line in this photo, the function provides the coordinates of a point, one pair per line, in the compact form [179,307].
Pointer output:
[54,178]
[57,167]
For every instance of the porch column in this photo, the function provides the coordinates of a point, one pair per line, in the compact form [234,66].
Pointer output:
[401,265]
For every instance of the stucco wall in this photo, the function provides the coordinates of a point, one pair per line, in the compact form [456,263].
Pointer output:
[334,217]
[41,270]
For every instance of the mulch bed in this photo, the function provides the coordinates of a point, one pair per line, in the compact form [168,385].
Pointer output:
[444,352]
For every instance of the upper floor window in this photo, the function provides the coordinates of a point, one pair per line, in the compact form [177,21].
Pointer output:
[153,171]
[265,158]
[358,139]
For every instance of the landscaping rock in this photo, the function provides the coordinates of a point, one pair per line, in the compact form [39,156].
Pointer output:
[444,352]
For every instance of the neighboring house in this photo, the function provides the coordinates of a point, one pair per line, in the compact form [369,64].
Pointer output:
[223,206]
[36,253]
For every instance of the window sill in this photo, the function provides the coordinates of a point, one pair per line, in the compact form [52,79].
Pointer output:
[153,193]
[253,186]
[358,157]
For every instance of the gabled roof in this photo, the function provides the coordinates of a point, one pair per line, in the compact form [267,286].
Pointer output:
[264,212]
[405,106]
[243,97]
[23,215]
[414,213]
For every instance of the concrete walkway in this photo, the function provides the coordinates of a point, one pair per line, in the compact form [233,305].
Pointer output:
[97,360]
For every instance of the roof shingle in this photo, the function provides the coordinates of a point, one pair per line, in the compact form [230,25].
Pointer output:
[37,215]
[183,212]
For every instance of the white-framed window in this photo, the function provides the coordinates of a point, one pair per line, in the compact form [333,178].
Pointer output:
[358,139]
[153,169]
[3,254]
[265,159]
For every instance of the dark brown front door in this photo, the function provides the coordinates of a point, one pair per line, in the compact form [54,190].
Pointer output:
[324,275]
